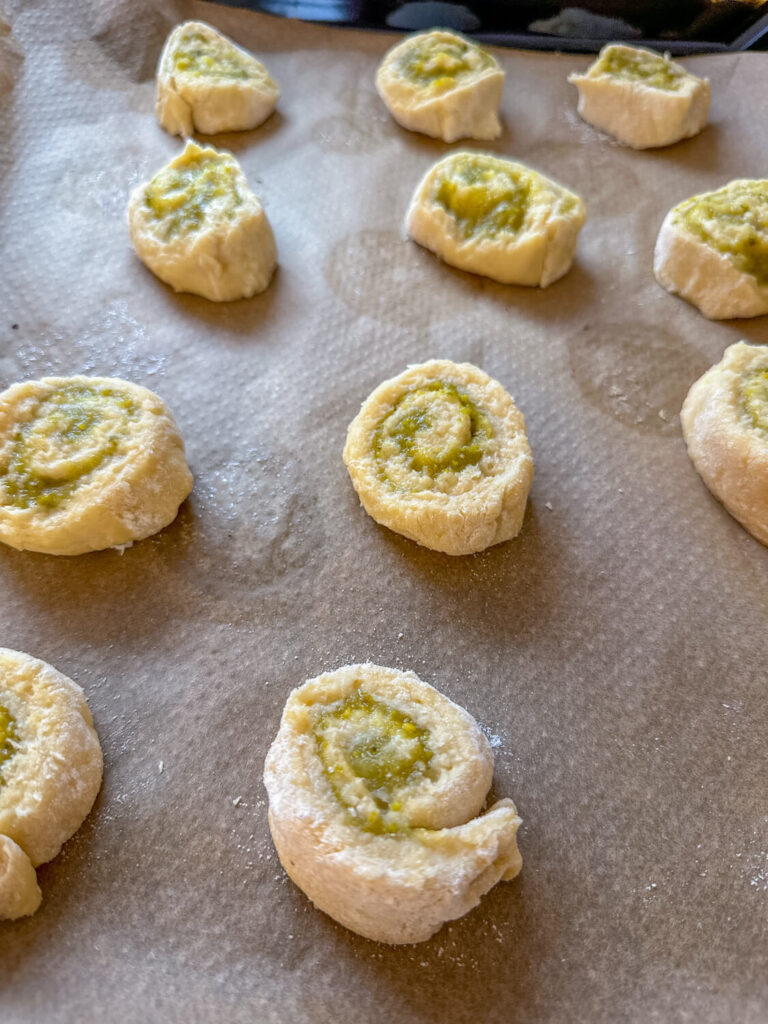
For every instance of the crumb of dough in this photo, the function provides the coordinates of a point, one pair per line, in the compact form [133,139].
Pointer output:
[376,785]
[443,85]
[642,98]
[497,218]
[207,84]
[87,463]
[199,227]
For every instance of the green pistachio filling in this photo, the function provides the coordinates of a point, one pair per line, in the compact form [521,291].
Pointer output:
[369,751]
[212,58]
[74,431]
[755,398]
[640,66]
[435,428]
[181,195]
[734,222]
[8,738]
[438,64]
[485,195]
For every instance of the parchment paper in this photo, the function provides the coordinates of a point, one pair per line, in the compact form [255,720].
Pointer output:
[615,651]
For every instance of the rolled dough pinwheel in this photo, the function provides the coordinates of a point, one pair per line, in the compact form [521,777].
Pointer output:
[376,784]
[642,98]
[87,463]
[198,226]
[440,455]
[712,250]
[725,425]
[496,218]
[207,84]
[441,84]
[50,772]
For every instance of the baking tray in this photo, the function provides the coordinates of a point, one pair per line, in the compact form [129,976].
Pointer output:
[615,651]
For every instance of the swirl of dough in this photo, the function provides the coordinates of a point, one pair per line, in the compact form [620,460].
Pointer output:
[642,98]
[496,218]
[376,784]
[712,250]
[50,757]
[199,227]
[87,463]
[725,425]
[441,84]
[19,892]
[440,455]
[207,84]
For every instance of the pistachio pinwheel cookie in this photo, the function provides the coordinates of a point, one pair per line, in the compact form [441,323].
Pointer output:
[642,98]
[441,84]
[198,226]
[50,772]
[440,455]
[725,425]
[496,218]
[376,785]
[207,84]
[87,463]
[712,250]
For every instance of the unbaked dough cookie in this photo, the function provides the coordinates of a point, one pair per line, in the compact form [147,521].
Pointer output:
[642,98]
[712,250]
[440,455]
[50,772]
[376,783]
[496,218]
[87,463]
[19,892]
[207,84]
[443,85]
[198,226]
[725,425]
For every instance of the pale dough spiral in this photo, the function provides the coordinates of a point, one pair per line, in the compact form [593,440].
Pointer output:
[441,84]
[376,784]
[440,455]
[207,84]
[87,463]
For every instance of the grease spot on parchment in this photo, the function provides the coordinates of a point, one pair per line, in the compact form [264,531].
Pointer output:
[383,275]
[87,63]
[122,51]
[250,524]
[637,373]
[366,126]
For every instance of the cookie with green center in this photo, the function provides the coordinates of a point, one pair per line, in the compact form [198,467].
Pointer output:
[376,784]
[496,218]
[200,228]
[207,84]
[642,98]
[440,455]
[87,463]
[50,772]
[441,84]
[725,425]
[712,250]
